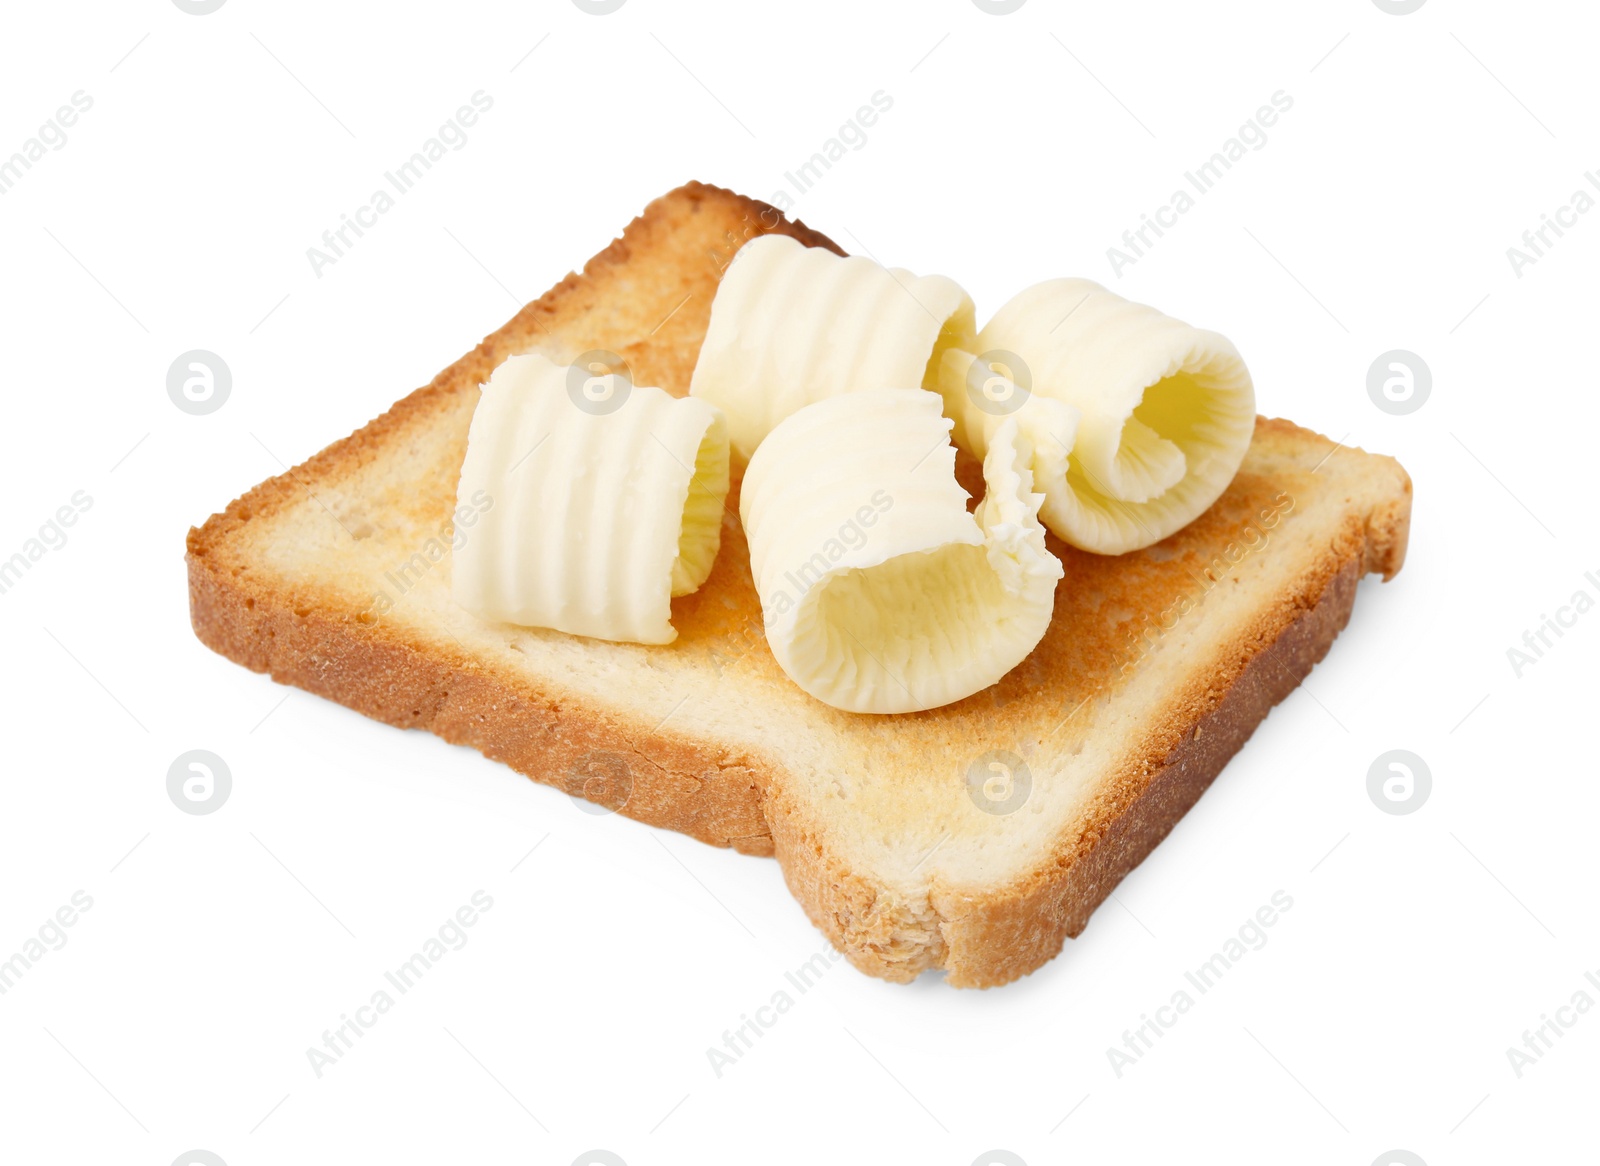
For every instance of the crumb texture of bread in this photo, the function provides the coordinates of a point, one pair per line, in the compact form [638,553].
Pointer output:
[335,577]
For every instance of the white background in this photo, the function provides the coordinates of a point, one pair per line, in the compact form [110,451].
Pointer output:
[219,948]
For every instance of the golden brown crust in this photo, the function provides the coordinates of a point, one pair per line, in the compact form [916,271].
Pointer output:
[1388,528]
[991,939]
[665,781]
[726,795]
[1015,931]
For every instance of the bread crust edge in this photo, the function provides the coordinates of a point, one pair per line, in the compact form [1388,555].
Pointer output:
[990,939]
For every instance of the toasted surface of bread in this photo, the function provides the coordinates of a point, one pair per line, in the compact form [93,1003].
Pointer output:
[335,577]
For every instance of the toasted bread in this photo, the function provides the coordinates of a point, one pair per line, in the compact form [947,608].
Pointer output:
[891,831]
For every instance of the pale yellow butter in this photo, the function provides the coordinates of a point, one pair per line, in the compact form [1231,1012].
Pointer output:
[880,592]
[792,325]
[607,502]
[1139,421]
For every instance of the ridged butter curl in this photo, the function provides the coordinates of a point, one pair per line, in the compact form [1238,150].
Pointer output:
[606,501]
[1139,421]
[880,592]
[792,325]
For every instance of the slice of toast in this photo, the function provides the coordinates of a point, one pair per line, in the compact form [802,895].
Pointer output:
[973,838]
